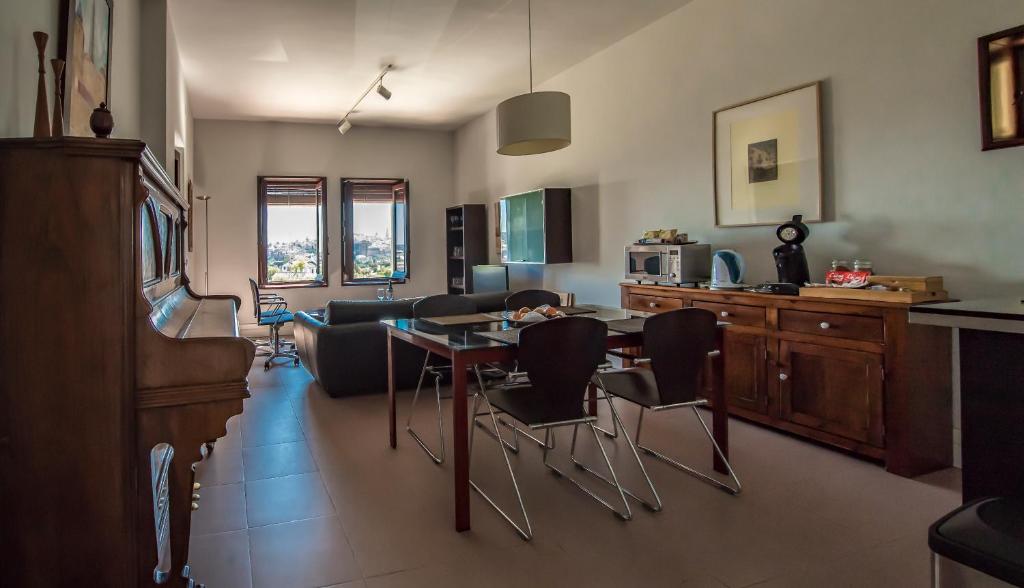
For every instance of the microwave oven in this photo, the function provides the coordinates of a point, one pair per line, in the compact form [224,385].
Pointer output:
[671,264]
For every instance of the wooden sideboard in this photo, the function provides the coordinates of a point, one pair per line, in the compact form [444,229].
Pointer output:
[848,373]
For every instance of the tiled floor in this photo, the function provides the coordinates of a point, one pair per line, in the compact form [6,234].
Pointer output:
[304,492]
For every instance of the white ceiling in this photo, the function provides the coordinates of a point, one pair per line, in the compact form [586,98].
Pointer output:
[309,60]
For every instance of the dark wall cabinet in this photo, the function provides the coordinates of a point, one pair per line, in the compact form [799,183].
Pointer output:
[852,374]
[536,227]
[466,244]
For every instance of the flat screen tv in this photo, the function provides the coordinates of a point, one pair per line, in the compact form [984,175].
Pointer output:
[490,278]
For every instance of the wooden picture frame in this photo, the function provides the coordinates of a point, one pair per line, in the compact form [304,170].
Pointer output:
[85,83]
[1001,55]
[767,159]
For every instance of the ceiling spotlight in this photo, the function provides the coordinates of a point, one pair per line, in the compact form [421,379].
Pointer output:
[384,92]
[377,82]
[344,126]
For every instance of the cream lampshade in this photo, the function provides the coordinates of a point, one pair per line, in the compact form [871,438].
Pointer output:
[533,123]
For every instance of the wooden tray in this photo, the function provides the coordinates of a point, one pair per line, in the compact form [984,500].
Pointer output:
[874,295]
[914,283]
[461,319]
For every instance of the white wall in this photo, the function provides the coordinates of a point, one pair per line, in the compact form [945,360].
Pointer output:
[906,182]
[231,155]
[18,64]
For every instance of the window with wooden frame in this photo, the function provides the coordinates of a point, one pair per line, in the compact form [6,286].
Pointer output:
[292,231]
[375,219]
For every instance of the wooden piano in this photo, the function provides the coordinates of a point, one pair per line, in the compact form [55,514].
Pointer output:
[114,372]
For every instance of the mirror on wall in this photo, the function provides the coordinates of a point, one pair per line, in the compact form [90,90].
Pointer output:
[1001,75]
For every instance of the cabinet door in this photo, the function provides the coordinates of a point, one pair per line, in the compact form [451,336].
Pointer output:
[838,391]
[513,231]
[745,371]
[533,233]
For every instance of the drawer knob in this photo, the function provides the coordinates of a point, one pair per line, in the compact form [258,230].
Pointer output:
[824,325]
[653,304]
[195,505]
[724,313]
[196,486]
[783,376]
[195,497]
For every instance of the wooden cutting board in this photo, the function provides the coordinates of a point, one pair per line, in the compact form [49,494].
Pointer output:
[914,283]
[906,297]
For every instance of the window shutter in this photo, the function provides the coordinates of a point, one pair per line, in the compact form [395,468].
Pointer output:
[293,192]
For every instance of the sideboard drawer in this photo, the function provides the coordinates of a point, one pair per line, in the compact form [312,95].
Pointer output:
[737,314]
[845,326]
[653,303]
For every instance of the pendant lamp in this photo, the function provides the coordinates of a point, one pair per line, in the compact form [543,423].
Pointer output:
[537,122]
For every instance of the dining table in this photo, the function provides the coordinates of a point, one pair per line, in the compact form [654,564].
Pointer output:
[491,338]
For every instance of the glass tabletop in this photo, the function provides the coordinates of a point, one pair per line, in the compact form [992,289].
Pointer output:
[464,337]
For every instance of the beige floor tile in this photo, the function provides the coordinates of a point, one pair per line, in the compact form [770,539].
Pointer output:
[221,509]
[274,461]
[808,515]
[271,428]
[223,466]
[302,554]
[285,499]
[221,560]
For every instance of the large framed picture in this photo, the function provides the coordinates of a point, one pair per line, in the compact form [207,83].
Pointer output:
[767,159]
[84,45]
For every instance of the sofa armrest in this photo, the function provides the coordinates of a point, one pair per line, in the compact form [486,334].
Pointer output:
[351,358]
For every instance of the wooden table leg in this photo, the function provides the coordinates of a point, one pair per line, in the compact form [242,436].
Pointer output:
[460,441]
[392,431]
[720,409]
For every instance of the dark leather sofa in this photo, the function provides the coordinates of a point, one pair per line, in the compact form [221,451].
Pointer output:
[347,351]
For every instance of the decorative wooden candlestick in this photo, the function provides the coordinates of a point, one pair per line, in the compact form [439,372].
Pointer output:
[42,128]
[58,106]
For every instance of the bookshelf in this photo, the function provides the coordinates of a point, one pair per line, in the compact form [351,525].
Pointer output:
[465,244]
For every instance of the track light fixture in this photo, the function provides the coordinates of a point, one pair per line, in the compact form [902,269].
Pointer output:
[345,124]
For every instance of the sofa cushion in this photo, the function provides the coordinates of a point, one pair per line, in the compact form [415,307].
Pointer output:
[340,312]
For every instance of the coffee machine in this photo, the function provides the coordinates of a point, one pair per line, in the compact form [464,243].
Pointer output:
[790,260]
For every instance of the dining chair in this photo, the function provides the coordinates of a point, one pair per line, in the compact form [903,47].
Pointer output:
[678,344]
[559,356]
[435,306]
[532,299]
[271,310]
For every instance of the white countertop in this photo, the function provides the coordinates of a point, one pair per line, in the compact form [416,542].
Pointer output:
[1005,315]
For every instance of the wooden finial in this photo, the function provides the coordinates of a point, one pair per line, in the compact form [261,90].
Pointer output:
[42,127]
[58,106]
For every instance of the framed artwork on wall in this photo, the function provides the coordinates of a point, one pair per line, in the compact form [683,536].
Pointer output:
[1001,81]
[84,45]
[767,159]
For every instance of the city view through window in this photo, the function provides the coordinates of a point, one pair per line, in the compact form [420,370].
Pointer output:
[293,243]
[372,240]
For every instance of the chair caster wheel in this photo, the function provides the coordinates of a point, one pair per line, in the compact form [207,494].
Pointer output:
[296,362]
[266,367]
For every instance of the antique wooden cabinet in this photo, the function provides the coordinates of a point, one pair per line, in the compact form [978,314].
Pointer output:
[848,373]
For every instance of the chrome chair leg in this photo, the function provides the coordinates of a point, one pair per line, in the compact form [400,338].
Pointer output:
[654,506]
[519,431]
[279,350]
[440,420]
[526,534]
[625,514]
[514,446]
[734,490]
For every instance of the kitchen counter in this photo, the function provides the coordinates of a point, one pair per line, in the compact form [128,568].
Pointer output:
[1005,315]
[991,357]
